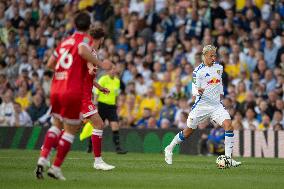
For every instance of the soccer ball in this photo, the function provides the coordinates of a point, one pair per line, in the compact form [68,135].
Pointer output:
[223,162]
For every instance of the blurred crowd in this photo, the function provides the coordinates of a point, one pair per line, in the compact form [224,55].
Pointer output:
[156,44]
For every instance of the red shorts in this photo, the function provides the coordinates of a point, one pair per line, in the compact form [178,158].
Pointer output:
[66,107]
[88,109]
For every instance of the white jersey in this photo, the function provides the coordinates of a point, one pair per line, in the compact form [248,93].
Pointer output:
[207,106]
[209,79]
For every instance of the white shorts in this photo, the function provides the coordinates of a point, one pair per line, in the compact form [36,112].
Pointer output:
[216,114]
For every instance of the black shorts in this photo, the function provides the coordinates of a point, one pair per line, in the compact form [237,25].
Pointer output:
[108,112]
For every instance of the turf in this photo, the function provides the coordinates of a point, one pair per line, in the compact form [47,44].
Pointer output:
[141,171]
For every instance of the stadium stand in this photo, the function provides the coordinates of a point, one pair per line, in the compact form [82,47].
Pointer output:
[156,44]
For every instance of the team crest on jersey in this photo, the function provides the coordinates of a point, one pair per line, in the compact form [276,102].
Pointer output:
[90,107]
[194,78]
[86,40]
[219,72]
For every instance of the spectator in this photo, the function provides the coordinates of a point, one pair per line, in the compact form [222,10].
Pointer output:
[269,81]
[20,117]
[182,121]
[37,109]
[237,121]
[46,83]
[6,108]
[161,42]
[215,141]
[250,123]
[241,91]
[143,122]
[278,119]
[270,53]
[168,111]
[128,110]
[152,123]
[140,85]
[202,147]
[24,96]
[265,123]
[151,102]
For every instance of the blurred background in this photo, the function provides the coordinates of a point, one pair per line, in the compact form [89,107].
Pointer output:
[156,44]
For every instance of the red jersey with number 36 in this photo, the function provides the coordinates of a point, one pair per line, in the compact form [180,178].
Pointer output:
[71,68]
[68,80]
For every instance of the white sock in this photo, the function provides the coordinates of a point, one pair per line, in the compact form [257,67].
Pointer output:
[229,143]
[177,140]
[98,159]
[42,161]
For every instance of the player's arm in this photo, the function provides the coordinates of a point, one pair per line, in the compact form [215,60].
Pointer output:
[100,82]
[51,62]
[101,88]
[221,87]
[87,54]
[196,84]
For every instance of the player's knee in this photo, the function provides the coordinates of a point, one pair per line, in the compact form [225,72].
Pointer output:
[100,125]
[187,132]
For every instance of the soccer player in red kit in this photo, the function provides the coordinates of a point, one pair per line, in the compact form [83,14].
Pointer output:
[89,110]
[70,59]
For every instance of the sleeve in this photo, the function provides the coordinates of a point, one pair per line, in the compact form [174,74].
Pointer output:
[55,52]
[221,87]
[87,42]
[196,83]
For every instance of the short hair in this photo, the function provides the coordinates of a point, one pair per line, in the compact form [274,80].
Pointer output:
[208,48]
[82,21]
[97,33]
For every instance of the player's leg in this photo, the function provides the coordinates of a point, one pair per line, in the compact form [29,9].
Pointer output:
[96,138]
[64,146]
[221,117]
[51,140]
[116,137]
[192,123]
[113,119]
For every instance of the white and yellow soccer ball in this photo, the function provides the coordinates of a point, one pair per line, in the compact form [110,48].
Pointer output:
[223,162]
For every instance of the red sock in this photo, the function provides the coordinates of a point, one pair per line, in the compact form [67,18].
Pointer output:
[97,142]
[64,146]
[58,138]
[51,139]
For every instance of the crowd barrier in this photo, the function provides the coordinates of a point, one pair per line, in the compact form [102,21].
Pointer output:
[247,143]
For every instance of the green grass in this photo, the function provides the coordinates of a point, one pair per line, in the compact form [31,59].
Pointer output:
[141,171]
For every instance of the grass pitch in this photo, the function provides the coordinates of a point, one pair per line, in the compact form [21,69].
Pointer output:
[140,171]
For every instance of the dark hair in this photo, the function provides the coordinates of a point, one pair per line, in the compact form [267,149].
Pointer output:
[82,21]
[97,33]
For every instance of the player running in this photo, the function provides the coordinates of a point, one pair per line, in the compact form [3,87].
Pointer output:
[89,110]
[71,57]
[207,90]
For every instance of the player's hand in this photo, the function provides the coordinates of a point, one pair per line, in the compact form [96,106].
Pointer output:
[104,90]
[200,91]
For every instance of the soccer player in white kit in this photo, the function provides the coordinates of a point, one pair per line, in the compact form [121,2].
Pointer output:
[207,90]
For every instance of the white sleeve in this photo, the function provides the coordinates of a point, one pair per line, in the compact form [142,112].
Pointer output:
[221,87]
[196,83]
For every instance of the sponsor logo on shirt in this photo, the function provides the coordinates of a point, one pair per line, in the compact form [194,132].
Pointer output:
[213,81]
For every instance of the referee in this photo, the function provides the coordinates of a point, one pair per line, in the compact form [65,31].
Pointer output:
[107,105]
